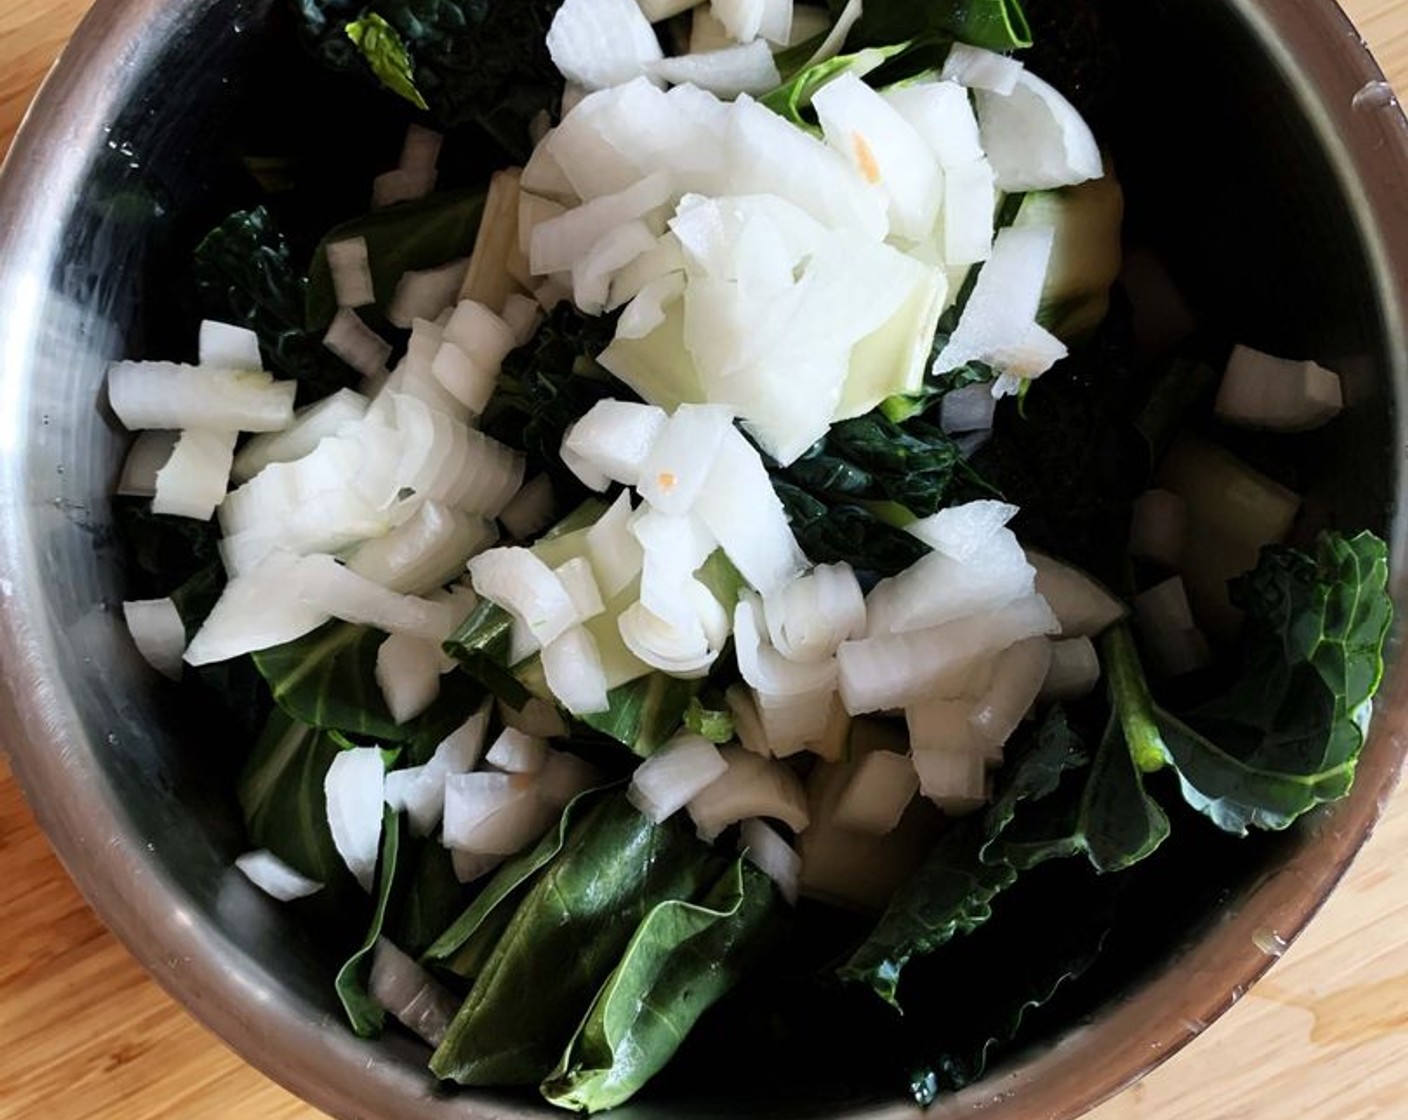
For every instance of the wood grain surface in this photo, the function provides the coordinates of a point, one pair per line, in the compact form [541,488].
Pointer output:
[85,1035]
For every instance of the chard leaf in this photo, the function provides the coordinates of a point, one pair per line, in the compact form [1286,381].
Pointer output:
[244,274]
[464,946]
[1287,735]
[363,1012]
[432,897]
[280,792]
[327,679]
[683,957]
[998,25]
[953,891]
[564,940]
[642,714]
[410,236]
[386,54]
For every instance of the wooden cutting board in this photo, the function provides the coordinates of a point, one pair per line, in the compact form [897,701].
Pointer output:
[86,1035]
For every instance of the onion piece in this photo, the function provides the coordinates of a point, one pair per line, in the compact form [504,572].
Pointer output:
[353,788]
[833,744]
[743,68]
[675,774]
[351,273]
[168,395]
[747,724]
[616,437]
[1278,394]
[331,587]
[531,510]
[681,650]
[880,789]
[1158,527]
[538,718]
[750,787]
[150,451]
[1035,138]
[1018,675]
[964,532]
[357,344]
[832,44]
[194,479]
[1083,607]
[481,334]
[791,722]
[526,587]
[309,428]
[425,551]
[766,669]
[673,548]
[401,185]
[1003,305]
[970,196]
[601,43]
[564,776]
[813,615]
[423,294]
[942,114]
[493,814]
[496,257]
[745,515]
[646,310]
[1176,645]
[682,455]
[418,1001]
[954,780]
[559,243]
[408,674]
[158,633]
[576,576]
[514,752]
[977,68]
[616,555]
[226,346]
[573,669]
[274,877]
[420,150]
[766,850]
[521,314]
[419,791]
[887,672]
[969,409]
[470,866]
[593,272]
[256,610]
[1074,672]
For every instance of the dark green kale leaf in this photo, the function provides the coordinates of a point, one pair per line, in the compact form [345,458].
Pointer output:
[998,25]
[1287,734]
[844,532]
[245,274]
[482,62]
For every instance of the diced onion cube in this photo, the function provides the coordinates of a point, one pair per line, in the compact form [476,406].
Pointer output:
[616,437]
[977,68]
[1261,391]
[522,584]
[573,669]
[351,273]
[274,877]
[408,674]
[1074,672]
[878,793]
[354,792]
[750,787]
[516,753]
[666,781]
[225,346]
[772,855]
[167,395]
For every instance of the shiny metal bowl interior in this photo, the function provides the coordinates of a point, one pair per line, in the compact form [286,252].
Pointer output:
[1263,162]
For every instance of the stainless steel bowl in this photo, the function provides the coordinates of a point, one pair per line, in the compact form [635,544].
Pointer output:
[1267,162]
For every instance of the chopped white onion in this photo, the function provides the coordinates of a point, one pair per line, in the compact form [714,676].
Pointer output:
[331,587]
[357,344]
[400,185]
[616,437]
[1035,138]
[521,314]
[158,633]
[274,877]
[969,409]
[1018,675]
[1083,607]
[766,669]
[1158,527]
[420,151]
[682,455]
[670,778]
[1279,394]
[679,648]
[424,552]
[964,532]
[564,776]
[766,850]
[1003,305]
[1074,672]
[750,787]
[408,674]
[576,576]
[538,718]
[257,610]
[833,743]
[970,197]
[149,452]
[601,43]
[419,791]
[493,813]
[514,752]
[470,866]
[954,780]
[747,725]
[878,793]
[523,585]
[615,553]
[943,116]
[411,995]
[425,293]
[742,68]
[310,427]
[169,395]
[351,272]
[354,792]
[194,479]
[225,346]
[977,68]
[574,673]
[1176,645]
[814,614]
[559,243]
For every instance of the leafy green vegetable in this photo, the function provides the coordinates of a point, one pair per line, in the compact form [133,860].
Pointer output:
[796,92]
[285,810]
[465,945]
[407,237]
[547,385]
[481,645]
[952,892]
[363,1012]
[831,534]
[1286,736]
[327,679]
[386,54]
[564,940]
[642,714]
[431,899]
[244,274]
[475,61]
[998,25]
[714,724]
[681,959]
